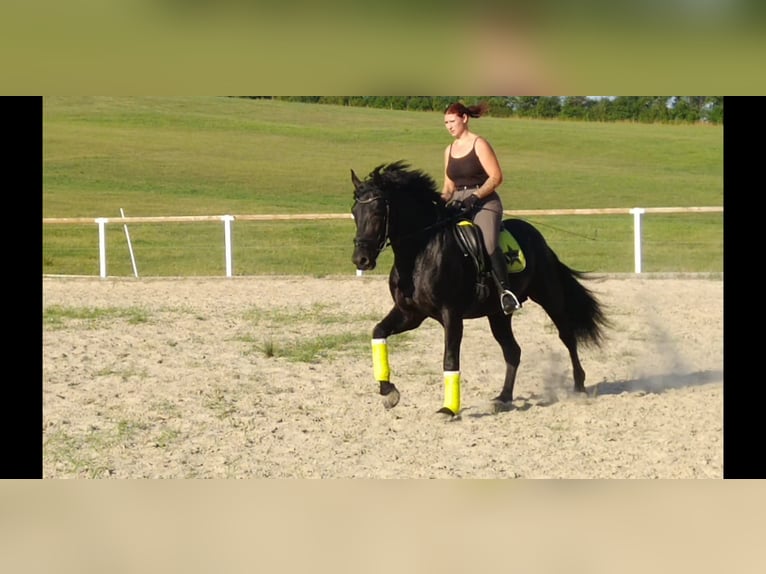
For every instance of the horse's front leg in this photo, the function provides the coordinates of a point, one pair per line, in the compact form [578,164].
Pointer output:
[397,321]
[453,336]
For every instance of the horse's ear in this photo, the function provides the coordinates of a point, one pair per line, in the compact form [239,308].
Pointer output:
[355,180]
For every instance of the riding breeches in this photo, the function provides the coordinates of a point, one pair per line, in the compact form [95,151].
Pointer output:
[488,216]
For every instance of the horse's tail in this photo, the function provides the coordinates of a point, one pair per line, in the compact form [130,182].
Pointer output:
[581,306]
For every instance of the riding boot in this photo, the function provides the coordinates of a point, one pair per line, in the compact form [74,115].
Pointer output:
[508,301]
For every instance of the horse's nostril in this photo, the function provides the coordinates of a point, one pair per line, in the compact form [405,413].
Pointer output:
[363,262]
[359,260]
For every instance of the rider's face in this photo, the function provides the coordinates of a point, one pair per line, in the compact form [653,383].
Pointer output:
[455,124]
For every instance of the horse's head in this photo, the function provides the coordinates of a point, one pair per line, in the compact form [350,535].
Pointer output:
[394,205]
[371,216]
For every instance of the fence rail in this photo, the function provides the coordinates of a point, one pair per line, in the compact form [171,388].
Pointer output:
[636,212]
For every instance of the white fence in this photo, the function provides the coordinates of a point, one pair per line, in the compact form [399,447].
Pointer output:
[636,212]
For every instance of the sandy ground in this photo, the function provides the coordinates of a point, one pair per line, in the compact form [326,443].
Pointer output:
[271,377]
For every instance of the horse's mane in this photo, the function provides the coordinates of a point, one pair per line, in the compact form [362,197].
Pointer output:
[399,179]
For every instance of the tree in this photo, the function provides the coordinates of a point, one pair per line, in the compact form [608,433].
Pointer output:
[713,110]
[653,109]
[334,100]
[548,107]
[575,107]
[686,109]
[523,106]
[625,108]
[419,103]
[499,106]
[646,109]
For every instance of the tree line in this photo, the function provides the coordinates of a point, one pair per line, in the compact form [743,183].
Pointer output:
[645,109]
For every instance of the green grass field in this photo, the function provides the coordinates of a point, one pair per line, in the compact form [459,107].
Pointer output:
[169,156]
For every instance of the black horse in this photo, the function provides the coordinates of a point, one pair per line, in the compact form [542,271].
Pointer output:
[433,275]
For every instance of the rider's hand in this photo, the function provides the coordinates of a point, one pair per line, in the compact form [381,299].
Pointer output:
[469,203]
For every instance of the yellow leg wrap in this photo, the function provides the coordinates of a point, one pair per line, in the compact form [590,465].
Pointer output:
[452,390]
[380,366]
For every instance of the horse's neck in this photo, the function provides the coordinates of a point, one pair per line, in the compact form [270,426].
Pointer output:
[412,239]
[409,233]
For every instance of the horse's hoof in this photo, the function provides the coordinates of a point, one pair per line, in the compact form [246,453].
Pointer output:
[500,406]
[391,399]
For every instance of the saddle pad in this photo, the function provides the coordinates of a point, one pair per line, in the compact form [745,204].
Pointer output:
[513,253]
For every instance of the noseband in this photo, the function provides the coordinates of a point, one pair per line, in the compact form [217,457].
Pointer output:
[371,243]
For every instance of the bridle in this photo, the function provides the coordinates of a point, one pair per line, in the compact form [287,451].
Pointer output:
[383,242]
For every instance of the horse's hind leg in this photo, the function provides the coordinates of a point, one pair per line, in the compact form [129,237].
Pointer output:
[397,321]
[567,336]
[570,341]
[503,333]
[551,298]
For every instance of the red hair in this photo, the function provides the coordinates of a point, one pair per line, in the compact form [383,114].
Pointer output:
[475,111]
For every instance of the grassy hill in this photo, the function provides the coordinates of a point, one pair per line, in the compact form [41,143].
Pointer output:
[162,156]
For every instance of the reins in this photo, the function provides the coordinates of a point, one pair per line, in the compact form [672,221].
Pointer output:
[437,225]
[386,240]
[540,223]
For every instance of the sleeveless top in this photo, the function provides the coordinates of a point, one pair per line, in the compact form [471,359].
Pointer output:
[467,170]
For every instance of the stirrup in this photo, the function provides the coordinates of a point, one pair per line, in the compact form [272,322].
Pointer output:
[515,304]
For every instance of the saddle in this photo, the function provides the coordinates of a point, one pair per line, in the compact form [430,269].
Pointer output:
[469,238]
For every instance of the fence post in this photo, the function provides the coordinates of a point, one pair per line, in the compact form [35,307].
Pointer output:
[637,213]
[227,220]
[102,246]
